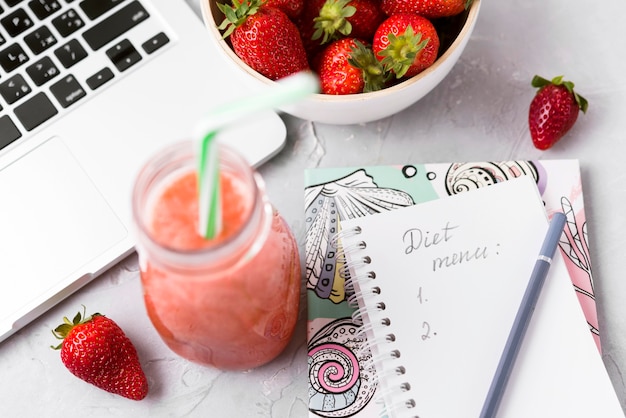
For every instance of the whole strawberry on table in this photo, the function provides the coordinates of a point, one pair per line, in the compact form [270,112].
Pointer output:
[280,37]
[96,350]
[553,111]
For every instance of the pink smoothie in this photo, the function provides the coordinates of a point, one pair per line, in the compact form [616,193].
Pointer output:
[238,312]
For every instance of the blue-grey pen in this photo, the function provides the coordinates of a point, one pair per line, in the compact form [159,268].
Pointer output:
[522,319]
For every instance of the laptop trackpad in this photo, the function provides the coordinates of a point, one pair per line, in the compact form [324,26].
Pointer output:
[52,221]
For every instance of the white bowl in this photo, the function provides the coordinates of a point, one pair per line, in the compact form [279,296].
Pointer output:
[364,107]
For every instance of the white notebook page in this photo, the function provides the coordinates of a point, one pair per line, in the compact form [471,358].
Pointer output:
[452,273]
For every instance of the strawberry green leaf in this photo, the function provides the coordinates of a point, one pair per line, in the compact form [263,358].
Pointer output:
[236,14]
[540,82]
[61,331]
[583,104]
[332,20]
[374,75]
[400,54]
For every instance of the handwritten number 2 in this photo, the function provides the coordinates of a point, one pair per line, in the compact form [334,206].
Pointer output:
[425,325]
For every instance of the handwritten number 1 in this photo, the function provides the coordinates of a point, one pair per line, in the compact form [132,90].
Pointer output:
[425,325]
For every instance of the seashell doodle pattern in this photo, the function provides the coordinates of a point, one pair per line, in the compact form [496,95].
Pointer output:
[462,177]
[342,379]
[341,375]
[349,197]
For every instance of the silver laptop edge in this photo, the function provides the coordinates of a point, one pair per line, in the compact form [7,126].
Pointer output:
[164,97]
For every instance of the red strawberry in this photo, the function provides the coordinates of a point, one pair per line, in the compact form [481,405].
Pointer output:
[291,8]
[553,111]
[347,66]
[264,38]
[97,351]
[306,26]
[406,44]
[430,9]
[342,18]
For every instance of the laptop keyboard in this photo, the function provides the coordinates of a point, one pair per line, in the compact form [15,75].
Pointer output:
[56,53]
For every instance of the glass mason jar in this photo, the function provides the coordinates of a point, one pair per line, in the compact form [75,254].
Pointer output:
[229,302]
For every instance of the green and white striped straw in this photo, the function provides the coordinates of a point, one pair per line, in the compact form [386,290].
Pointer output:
[209,201]
[287,90]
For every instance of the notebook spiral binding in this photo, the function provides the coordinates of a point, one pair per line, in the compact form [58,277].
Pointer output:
[362,288]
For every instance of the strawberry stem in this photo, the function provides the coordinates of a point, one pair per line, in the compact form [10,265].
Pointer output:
[333,20]
[374,75]
[236,14]
[540,82]
[400,54]
[64,329]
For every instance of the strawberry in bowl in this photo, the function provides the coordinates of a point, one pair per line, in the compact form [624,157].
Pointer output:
[320,24]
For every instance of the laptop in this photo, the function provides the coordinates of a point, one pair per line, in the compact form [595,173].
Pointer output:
[89,90]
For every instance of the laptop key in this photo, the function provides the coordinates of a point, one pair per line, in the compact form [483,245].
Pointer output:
[67,91]
[154,43]
[35,111]
[123,55]
[96,8]
[12,3]
[8,131]
[40,39]
[70,53]
[16,22]
[42,71]
[68,22]
[14,89]
[44,8]
[115,25]
[12,57]
[100,78]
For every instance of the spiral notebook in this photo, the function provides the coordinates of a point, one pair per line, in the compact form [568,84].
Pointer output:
[438,286]
[342,382]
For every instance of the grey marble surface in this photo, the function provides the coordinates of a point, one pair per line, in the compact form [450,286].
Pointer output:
[479,112]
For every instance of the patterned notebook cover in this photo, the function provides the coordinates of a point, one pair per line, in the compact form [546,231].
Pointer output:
[341,381]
